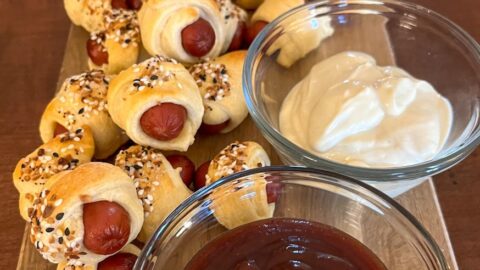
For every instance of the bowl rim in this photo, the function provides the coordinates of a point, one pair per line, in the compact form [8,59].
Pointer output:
[431,244]
[403,173]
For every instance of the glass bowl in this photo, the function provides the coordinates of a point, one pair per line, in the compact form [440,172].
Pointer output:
[418,40]
[348,205]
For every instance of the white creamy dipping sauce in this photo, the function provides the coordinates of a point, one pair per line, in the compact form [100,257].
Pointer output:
[352,111]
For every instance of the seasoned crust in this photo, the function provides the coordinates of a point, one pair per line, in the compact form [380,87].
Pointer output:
[82,100]
[220,84]
[64,152]
[57,221]
[158,184]
[87,13]
[156,80]
[236,157]
[121,39]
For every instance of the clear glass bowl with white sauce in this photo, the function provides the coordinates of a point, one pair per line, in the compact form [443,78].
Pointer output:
[425,44]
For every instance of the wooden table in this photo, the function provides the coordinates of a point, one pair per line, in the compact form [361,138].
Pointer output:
[32,41]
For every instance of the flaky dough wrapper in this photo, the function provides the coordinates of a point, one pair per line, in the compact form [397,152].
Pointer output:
[162,21]
[82,101]
[58,210]
[150,83]
[120,39]
[87,13]
[220,84]
[236,204]
[158,184]
[62,153]
[298,40]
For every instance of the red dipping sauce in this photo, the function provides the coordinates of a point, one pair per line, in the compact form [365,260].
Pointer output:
[282,244]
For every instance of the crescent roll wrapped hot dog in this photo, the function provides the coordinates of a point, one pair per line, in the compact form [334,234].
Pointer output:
[157,103]
[83,216]
[82,100]
[158,184]
[117,47]
[64,152]
[190,30]
[220,83]
[297,42]
[186,30]
[232,206]
[124,260]
[89,13]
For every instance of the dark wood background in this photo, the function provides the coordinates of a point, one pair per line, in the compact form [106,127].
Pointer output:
[32,43]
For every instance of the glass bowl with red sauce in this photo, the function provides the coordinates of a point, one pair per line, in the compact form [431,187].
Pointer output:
[321,220]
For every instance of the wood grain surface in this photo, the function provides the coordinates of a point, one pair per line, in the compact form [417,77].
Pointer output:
[32,43]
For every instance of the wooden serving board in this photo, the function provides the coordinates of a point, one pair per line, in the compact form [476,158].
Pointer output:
[421,201]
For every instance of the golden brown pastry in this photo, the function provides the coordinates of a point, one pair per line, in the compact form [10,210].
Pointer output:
[157,103]
[158,184]
[165,25]
[232,205]
[83,216]
[87,13]
[117,47]
[234,25]
[124,259]
[82,100]
[269,10]
[220,84]
[296,43]
[249,4]
[64,152]
[237,204]
[190,30]
[237,157]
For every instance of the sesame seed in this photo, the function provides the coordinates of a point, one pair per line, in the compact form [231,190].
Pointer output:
[58,202]
[212,79]
[139,163]
[230,160]
[59,216]
[153,73]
